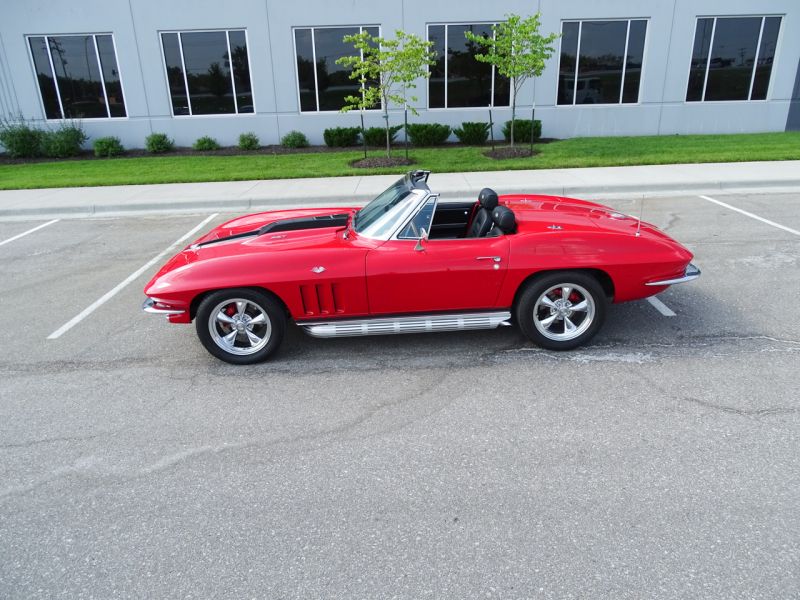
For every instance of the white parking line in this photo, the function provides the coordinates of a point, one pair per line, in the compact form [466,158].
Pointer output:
[132,277]
[661,307]
[24,233]
[752,216]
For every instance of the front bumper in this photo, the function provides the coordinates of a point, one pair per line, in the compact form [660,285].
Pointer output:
[691,273]
[150,306]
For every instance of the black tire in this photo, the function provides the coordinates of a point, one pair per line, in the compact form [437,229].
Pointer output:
[262,318]
[539,303]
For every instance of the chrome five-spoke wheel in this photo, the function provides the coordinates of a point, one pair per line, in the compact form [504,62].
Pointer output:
[240,326]
[564,312]
[561,310]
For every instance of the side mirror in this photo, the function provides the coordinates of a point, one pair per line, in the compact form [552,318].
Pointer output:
[423,238]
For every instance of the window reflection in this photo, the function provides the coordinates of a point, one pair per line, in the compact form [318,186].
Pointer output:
[78,76]
[322,83]
[728,62]
[468,83]
[604,73]
[203,70]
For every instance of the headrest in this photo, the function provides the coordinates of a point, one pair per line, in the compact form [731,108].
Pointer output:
[504,218]
[488,198]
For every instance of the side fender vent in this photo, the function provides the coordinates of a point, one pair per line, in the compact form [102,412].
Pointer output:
[322,299]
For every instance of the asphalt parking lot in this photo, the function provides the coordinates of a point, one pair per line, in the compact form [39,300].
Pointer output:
[661,461]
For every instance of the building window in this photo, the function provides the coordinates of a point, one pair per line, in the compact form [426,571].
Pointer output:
[208,72]
[321,83]
[739,63]
[86,84]
[457,79]
[601,61]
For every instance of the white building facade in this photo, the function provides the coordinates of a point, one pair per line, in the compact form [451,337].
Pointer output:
[191,68]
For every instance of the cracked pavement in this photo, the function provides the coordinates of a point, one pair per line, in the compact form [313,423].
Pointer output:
[660,461]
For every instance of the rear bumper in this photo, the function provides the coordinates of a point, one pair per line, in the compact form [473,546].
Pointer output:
[149,306]
[691,273]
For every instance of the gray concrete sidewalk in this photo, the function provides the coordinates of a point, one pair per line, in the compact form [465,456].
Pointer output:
[251,195]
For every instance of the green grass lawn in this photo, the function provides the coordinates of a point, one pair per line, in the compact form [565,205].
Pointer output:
[575,152]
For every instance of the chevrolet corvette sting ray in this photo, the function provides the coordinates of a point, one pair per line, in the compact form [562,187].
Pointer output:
[408,263]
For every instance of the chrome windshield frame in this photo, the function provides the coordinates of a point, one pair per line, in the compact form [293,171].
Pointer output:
[386,227]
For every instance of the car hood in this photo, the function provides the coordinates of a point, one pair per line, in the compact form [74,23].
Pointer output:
[230,239]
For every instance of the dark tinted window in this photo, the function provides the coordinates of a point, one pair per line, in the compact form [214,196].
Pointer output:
[634,60]
[86,73]
[733,54]
[467,82]
[78,76]
[241,71]
[202,72]
[697,70]
[332,84]
[207,73]
[766,55]
[175,78]
[604,73]
[436,80]
[108,62]
[305,69]
[44,74]
[333,81]
[566,72]
[728,62]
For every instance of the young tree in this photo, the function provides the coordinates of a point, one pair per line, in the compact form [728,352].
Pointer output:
[517,50]
[387,70]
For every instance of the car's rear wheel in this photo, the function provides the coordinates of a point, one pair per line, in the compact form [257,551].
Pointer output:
[561,310]
[240,326]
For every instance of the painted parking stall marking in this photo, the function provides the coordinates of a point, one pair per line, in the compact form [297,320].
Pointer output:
[661,307]
[24,233]
[752,216]
[127,281]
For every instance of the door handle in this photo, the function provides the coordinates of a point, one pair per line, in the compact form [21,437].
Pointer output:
[496,259]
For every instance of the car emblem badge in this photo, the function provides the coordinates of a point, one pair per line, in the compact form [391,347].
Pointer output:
[554,227]
[317,269]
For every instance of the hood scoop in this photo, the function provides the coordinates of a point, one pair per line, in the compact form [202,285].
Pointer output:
[338,220]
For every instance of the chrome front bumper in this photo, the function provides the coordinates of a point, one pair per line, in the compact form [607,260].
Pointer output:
[690,274]
[149,306]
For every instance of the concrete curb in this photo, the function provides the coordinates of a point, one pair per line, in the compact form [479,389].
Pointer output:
[254,204]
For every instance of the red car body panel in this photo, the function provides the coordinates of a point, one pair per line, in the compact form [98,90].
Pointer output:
[367,277]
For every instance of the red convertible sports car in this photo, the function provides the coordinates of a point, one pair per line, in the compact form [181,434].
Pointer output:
[408,263]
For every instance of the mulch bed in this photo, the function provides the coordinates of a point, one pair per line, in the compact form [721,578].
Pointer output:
[380,161]
[505,153]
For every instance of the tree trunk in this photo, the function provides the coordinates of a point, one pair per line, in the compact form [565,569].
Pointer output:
[513,118]
[388,138]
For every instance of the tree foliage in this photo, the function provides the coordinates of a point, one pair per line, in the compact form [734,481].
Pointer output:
[387,70]
[517,50]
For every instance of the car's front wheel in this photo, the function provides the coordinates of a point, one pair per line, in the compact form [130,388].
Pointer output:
[240,326]
[561,310]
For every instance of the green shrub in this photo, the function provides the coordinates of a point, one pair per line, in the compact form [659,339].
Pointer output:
[21,140]
[249,141]
[64,141]
[294,139]
[522,130]
[108,146]
[158,143]
[376,136]
[428,134]
[340,137]
[473,133]
[205,143]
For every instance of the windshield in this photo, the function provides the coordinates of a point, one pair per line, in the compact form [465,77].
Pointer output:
[381,205]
